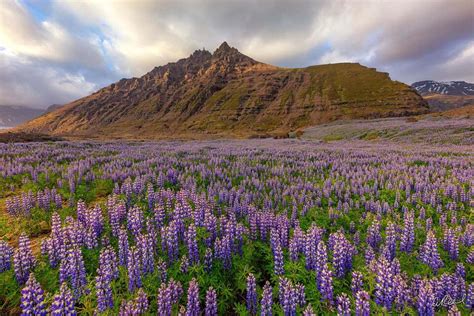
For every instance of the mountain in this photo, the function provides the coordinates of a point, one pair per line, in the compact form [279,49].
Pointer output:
[226,93]
[442,96]
[11,116]
[447,88]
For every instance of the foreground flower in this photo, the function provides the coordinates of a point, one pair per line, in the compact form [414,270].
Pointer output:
[267,300]
[63,302]
[425,304]
[343,305]
[211,302]
[362,304]
[429,252]
[32,298]
[192,307]
[251,295]
[23,259]
[6,253]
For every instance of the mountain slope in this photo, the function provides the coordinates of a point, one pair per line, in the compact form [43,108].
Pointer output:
[227,93]
[427,87]
[13,115]
[442,96]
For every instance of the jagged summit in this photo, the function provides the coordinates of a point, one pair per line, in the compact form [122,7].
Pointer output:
[230,94]
[225,49]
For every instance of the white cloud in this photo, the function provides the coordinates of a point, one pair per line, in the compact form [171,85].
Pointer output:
[38,85]
[97,41]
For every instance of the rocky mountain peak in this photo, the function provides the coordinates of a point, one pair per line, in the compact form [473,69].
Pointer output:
[230,55]
[227,92]
[225,49]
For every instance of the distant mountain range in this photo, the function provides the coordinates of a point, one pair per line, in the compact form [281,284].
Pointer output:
[427,87]
[227,93]
[442,96]
[11,116]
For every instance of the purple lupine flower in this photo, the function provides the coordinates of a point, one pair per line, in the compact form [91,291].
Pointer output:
[362,304]
[192,306]
[151,196]
[278,261]
[134,269]
[208,257]
[108,264]
[343,305]
[184,264]
[325,284]
[146,253]
[135,220]
[251,294]
[141,301]
[90,238]
[391,241]
[192,245]
[321,257]
[137,306]
[32,298]
[373,235]
[451,243]
[72,269]
[425,304]
[308,311]
[6,253]
[293,249]
[103,291]
[342,254]
[23,260]
[54,246]
[384,286]
[162,269]
[288,297]
[369,255]
[408,235]
[63,302]
[123,246]
[127,309]
[176,290]
[470,297]
[164,300]
[470,257]
[300,296]
[460,270]
[357,282]
[171,238]
[429,252]
[401,292]
[267,300]
[211,303]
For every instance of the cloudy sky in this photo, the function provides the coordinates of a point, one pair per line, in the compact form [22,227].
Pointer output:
[57,51]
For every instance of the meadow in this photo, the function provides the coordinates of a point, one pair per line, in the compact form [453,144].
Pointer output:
[256,227]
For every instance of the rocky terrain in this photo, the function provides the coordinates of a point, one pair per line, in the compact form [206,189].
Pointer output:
[226,93]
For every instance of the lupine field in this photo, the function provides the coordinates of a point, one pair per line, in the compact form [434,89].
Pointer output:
[258,227]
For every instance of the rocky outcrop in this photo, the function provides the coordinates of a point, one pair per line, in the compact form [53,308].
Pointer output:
[229,94]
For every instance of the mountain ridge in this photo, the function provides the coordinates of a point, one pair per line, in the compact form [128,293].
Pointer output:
[427,87]
[229,93]
[11,115]
[445,96]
